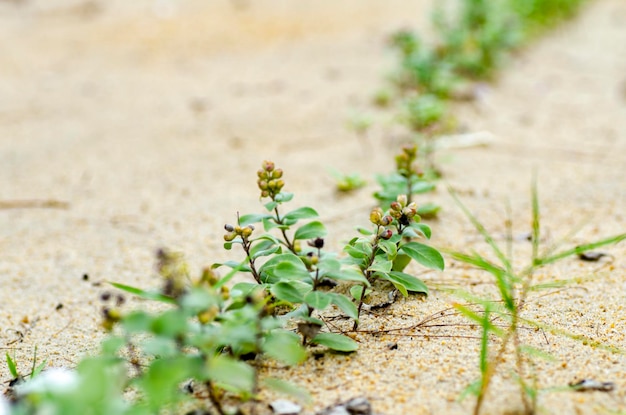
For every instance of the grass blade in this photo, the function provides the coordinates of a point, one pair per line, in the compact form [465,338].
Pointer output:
[147,295]
[581,248]
[536,224]
[481,229]
[12,367]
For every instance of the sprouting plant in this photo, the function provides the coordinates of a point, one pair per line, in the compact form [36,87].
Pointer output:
[19,378]
[513,288]
[408,180]
[346,183]
[384,252]
[289,262]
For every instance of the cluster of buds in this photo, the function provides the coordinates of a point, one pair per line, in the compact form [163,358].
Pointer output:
[270,180]
[172,267]
[111,315]
[235,231]
[405,160]
[403,212]
[378,218]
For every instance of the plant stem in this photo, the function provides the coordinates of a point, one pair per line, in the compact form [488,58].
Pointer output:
[247,245]
[289,244]
[367,274]
[214,399]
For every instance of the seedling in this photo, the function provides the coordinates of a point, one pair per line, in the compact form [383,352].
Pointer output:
[347,183]
[384,252]
[408,180]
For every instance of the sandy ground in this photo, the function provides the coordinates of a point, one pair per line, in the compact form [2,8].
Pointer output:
[150,118]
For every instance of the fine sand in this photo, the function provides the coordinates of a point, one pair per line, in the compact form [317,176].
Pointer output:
[130,126]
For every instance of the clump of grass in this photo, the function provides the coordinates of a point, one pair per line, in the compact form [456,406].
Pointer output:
[513,287]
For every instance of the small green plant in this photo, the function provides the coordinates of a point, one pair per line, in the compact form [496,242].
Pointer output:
[18,378]
[346,183]
[295,269]
[205,336]
[513,288]
[407,179]
[384,252]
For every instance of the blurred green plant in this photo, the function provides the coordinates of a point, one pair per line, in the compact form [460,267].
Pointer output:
[407,179]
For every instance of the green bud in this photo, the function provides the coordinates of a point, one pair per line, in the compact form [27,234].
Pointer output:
[277,174]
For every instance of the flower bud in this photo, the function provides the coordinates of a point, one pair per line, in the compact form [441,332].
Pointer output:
[277,174]
[230,236]
[376,215]
[229,228]
[316,243]
[262,184]
[402,200]
[246,232]
[386,234]
[260,173]
[386,220]
[395,206]
[268,165]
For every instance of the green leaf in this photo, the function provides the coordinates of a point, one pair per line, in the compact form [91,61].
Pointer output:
[345,305]
[336,342]
[288,388]
[283,197]
[160,381]
[420,229]
[318,300]
[148,295]
[263,248]
[380,265]
[348,274]
[137,321]
[423,254]
[161,347]
[269,206]
[171,323]
[311,230]
[12,366]
[428,210]
[301,213]
[234,373]
[37,370]
[252,218]
[285,266]
[389,247]
[400,263]
[422,186]
[241,289]
[358,249]
[410,282]
[291,291]
[356,291]
[284,346]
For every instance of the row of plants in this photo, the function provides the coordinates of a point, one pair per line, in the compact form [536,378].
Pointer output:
[471,45]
